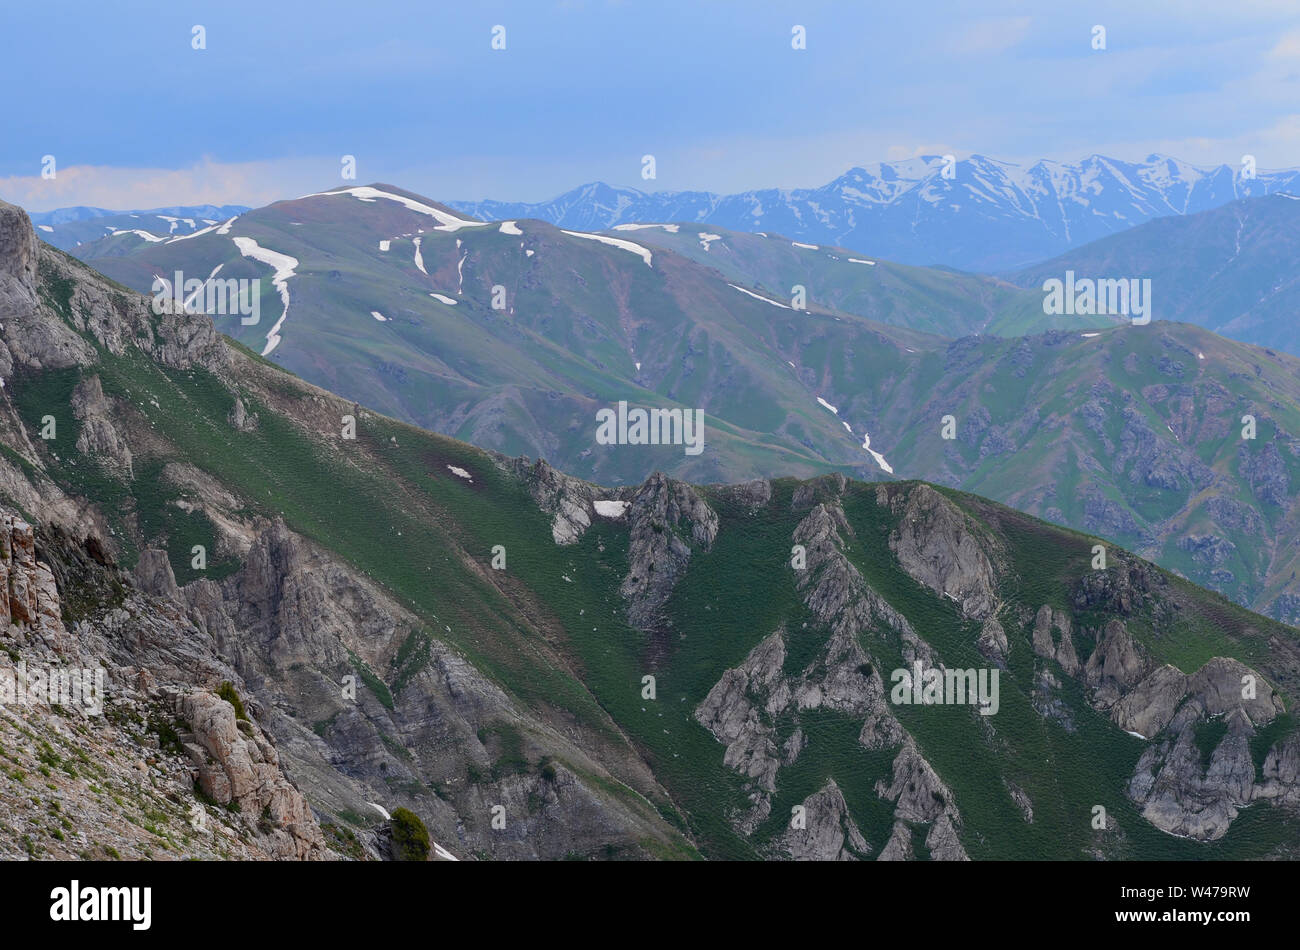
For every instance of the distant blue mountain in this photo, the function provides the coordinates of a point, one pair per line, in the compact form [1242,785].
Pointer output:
[67,228]
[988,216]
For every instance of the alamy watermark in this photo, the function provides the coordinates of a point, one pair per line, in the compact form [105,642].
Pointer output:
[233,295]
[1122,296]
[639,426]
[23,685]
[944,687]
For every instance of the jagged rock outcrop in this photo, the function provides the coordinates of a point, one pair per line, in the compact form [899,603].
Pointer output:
[666,518]
[899,845]
[568,499]
[1182,788]
[240,418]
[1121,588]
[993,642]
[1220,686]
[238,765]
[153,574]
[940,547]
[99,437]
[828,832]
[743,708]
[28,593]
[1052,640]
[919,795]
[132,654]
[740,708]
[1115,666]
[42,334]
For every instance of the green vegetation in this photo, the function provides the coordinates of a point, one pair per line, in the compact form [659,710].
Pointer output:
[227,692]
[410,837]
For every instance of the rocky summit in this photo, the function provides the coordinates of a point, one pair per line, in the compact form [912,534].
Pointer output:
[248,618]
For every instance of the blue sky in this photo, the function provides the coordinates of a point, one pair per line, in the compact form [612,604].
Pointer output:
[135,117]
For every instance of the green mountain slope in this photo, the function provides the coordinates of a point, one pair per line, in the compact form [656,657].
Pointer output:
[1231,269]
[581,324]
[933,300]
[1124,432]
[502,619]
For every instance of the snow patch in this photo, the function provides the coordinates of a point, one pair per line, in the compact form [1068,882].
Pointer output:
[880,459]
[615,242]
[151,238]
[284,266]
[46,227]
[460,473]
[670,228]
[443,298]
[419,258]
[859,260]
[446,220]
[811,247]
[610,509]
[827,405]
[706,239]
[378,316]
[509,227]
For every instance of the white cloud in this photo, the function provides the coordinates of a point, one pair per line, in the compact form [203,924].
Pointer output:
[207,182]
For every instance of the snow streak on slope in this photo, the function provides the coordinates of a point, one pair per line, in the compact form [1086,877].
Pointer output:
[880,459]
[284,266]
[774,303]
[615,242]
[446,221]
[151,238]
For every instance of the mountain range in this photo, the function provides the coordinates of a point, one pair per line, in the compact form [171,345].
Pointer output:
[66,228]
[536,665]
[1130,432]
[978,214]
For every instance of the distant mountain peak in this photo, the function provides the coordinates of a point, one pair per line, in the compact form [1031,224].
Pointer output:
[989,215]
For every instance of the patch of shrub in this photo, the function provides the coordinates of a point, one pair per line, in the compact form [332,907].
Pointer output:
[410,837]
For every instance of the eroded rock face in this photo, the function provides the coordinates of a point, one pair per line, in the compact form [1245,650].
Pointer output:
[145,652]
[743,708]
[1181,788]
[18,249]
[732,711]
[237,764]
[666,519]
[1115,665]
[27,587]
[154,575]
[99,437]
[938,545]
[1052,640]
[828,832]
[899,845]
[568,499]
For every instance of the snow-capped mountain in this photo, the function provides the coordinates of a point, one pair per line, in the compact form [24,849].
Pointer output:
[983,214]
